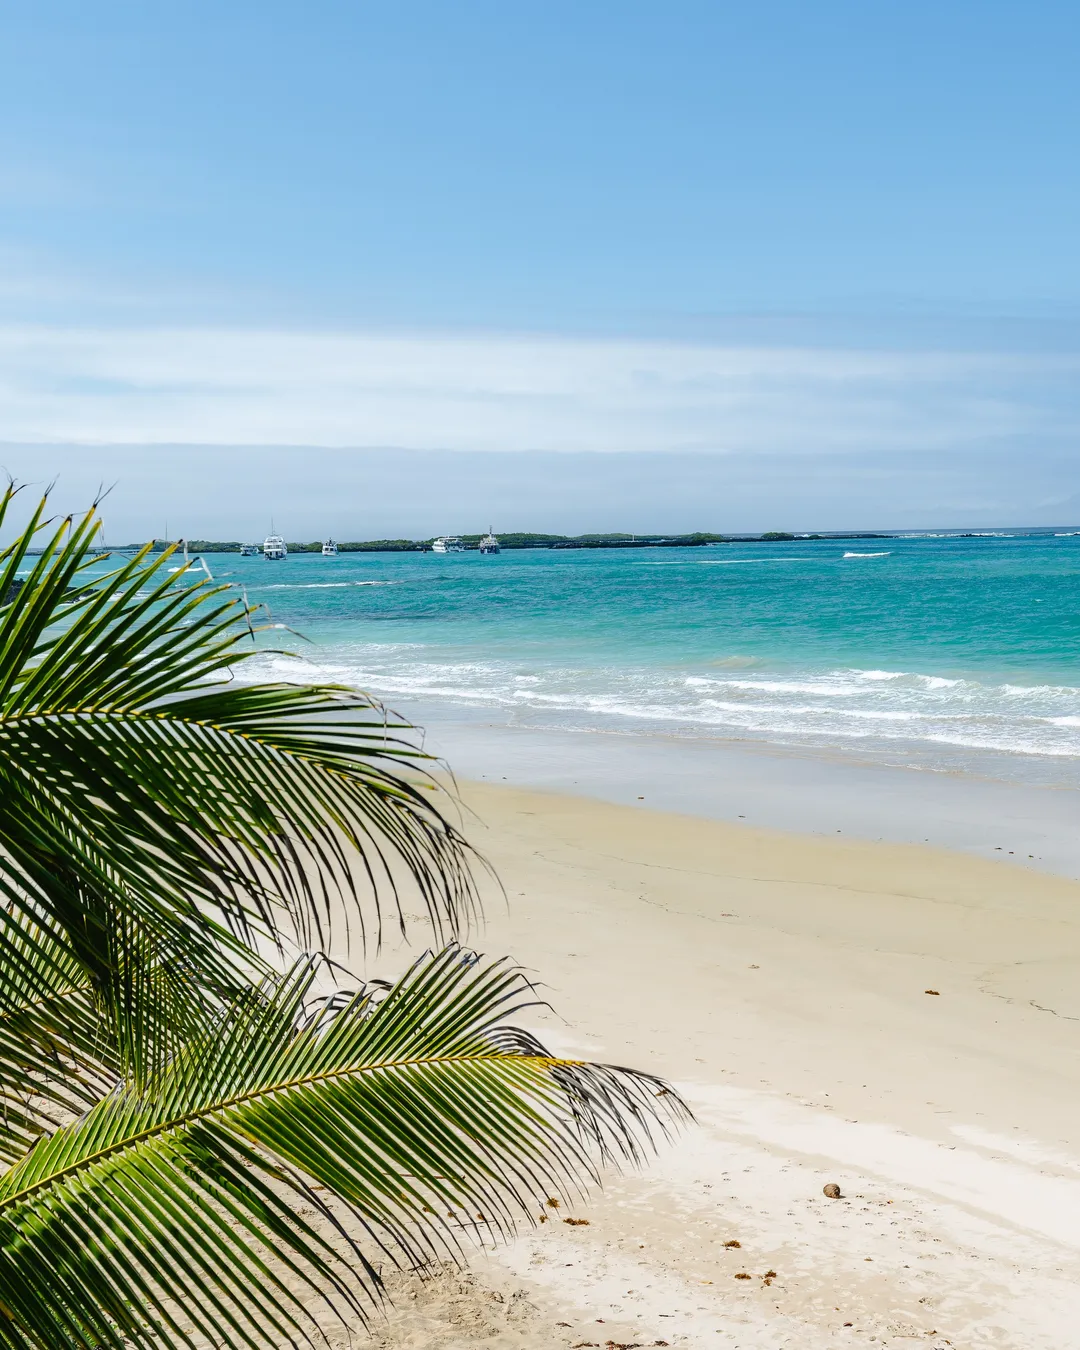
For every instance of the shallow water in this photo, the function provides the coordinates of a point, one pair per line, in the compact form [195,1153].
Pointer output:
[936,652]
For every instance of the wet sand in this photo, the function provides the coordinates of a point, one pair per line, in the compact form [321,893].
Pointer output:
[1022,807]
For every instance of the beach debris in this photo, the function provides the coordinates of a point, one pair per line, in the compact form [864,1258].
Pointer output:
[832,1190]
[564,1324]
[733,1242]
[552,1203]
[577,1223]
[935,992]
[743,1275]
[581,1345]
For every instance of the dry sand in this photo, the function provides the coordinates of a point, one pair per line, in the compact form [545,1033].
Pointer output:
[781,982]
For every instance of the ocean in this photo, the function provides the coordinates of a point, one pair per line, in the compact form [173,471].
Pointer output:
[936,652]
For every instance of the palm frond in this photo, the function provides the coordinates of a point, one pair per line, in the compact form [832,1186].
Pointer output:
[428,1121]
[144,791]
[62,1045]
[56,1056]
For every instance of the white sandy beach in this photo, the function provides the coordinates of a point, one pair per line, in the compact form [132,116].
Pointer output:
[780,980]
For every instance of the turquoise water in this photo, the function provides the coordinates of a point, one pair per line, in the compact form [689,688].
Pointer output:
[943,652]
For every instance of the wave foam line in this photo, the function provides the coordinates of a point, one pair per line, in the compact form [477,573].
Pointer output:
[320,585]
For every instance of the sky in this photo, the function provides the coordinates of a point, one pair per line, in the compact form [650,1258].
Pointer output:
[588,265]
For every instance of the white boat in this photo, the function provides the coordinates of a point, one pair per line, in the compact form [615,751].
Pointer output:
[274,548]
[329,549]
[489,544]
[249,550]
[447,543]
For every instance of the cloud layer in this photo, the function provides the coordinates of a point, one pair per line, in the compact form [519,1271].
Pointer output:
[521,393]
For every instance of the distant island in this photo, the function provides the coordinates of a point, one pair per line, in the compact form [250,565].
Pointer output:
[520,540]
[557,541]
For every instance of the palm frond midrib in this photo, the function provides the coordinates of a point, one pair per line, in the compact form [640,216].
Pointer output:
[540,1062]
[36,1003]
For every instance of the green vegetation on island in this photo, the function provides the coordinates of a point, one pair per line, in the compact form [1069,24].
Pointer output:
[470,541]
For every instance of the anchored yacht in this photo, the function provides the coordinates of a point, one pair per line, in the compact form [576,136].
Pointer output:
[249,550]
[489,544]
[274,548]
[329,549]
[448,543]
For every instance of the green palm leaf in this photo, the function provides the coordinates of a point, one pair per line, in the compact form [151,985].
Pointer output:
[424,1116]
[56,1058]
[144,791]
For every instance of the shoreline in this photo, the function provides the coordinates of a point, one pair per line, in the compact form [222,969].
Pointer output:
[781,981]
[775,787]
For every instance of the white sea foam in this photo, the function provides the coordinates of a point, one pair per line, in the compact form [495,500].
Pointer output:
[829,707]
[320,585]
[837,690]
[1040,690]
[810,710]
[717,562]
[866,555]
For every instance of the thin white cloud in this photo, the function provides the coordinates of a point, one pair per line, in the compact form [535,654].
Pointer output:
[515,393]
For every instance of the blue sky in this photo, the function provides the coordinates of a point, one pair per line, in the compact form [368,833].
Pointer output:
[743,231]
